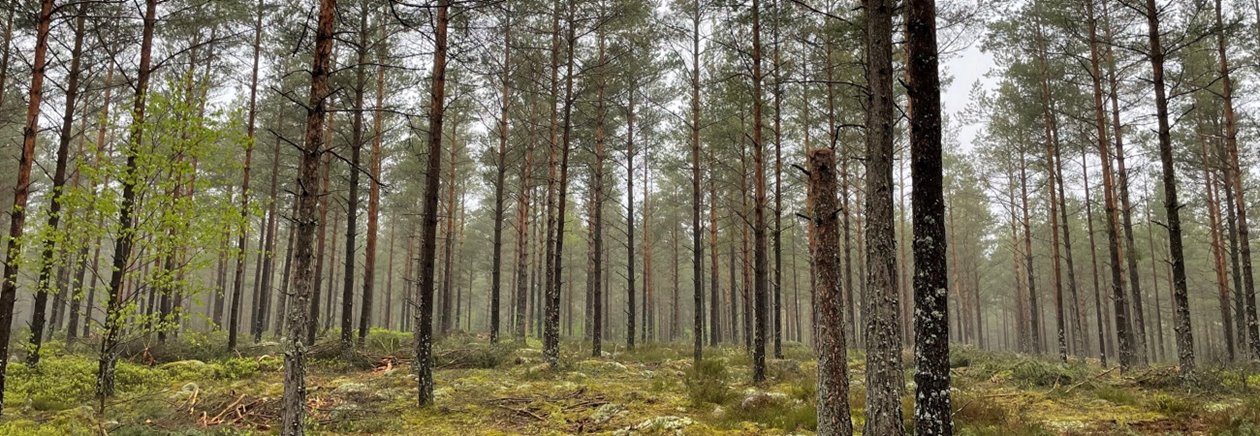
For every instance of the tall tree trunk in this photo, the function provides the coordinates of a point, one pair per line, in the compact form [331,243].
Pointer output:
[428,229]
[833,368]
[1093,246]
[7,40]
[312,323]
[761,276]
[505,100]
[884,379]
[1034,310]
[715,288]
[630,312]
[522,241]
[374,198]
[1052,143]
[446,322]
[269,247]
[1124,335]
[778,189]
[352,198]
[1137,338]
[1181,304]
[1218,250]
[114,321]
[597,209]
[304,283]
[238,281]
[932,413]
[17,214]
[697,247]
[49,250]
[649,297]
[1234,175]
[551,325]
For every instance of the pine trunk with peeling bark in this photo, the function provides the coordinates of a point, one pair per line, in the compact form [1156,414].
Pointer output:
[884,377]
[833,369]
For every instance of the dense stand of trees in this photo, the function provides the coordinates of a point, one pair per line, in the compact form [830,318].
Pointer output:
[204,165]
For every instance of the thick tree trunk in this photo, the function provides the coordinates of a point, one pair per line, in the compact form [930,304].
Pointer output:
[932,413]
[1181,304]
[884,379]
[833,368]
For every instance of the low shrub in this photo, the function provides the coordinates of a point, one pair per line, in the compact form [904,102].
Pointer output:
[706,383]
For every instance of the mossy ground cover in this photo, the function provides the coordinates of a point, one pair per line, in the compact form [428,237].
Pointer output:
[508,389]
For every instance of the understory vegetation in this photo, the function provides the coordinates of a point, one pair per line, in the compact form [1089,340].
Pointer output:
[509,389]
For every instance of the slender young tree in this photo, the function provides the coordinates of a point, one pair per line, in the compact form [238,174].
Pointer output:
[114,316]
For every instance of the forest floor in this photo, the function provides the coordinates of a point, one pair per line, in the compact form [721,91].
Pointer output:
[503,389]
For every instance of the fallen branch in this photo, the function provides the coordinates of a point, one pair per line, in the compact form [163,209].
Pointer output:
[1095,377]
